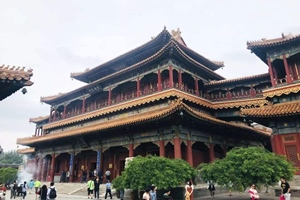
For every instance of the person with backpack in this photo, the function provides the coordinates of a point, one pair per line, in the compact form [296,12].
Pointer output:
[24,189]
[211,188]
[51,193]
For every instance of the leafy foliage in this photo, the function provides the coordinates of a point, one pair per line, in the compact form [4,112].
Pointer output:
[8,173]
[244,166]
[163,172]
[11,157]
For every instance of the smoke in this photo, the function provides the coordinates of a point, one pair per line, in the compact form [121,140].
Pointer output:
[26,173]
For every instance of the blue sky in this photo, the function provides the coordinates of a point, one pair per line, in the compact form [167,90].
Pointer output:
[55,38]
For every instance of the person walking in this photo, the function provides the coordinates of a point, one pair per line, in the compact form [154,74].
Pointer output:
[43,192]
[152,193]
[253,193]
[108,189]
[24,190]
[91,187]
[146,195]
[37,185]
[285,189]
[51,192]
[189,188]
[13,190]
[30,185]
[68,176]
[97,188]
[211,188]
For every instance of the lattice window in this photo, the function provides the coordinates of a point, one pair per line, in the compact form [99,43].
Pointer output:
[292,153]
[290,138]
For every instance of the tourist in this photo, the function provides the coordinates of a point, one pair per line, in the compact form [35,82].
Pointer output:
[189,188]
[107,175]
[51,192]
[2,195]
[90,188]
[30,185]
[285,189]
[146,195]
[167,195]
[97,187]
[108,189]
[83,178]
[13,190]
[153,195]
[94,173]
[37,185]
[230,184]
[24,189]
[63,176]
[43,192]
[211,188]
[253,193]
[100,175]
[68,176]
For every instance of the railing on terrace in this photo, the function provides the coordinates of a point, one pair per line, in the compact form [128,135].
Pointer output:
[116,99]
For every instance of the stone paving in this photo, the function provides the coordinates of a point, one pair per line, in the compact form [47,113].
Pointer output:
[235,196]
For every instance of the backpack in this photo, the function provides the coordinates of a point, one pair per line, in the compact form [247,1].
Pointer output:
[52,194]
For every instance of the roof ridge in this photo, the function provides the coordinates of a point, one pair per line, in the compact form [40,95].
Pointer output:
[213,82]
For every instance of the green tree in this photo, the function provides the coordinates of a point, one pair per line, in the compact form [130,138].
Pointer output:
[11,157]
[163,172]
[245,166]
[8,173]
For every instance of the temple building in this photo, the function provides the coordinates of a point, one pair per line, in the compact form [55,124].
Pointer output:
[162,98]
[12,79]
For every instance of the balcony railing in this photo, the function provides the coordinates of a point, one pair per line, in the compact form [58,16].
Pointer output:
[116,99]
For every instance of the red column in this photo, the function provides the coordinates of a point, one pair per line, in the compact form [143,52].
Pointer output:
[159,86]
[138,86]
[177,148]
[40,166]
[65,110]
[278,145]
[211,152]
[109,97]
[35,167]
[180,79]
[271,72]
[131,150]
[171,81]
[161,148]
[189,152]
[196,87]
[83,105]
[287,70]
[52,166]
[43,170]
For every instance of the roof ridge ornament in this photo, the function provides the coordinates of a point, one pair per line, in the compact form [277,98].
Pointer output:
[176,34]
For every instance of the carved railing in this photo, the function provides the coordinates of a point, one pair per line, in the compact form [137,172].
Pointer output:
[152,89]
